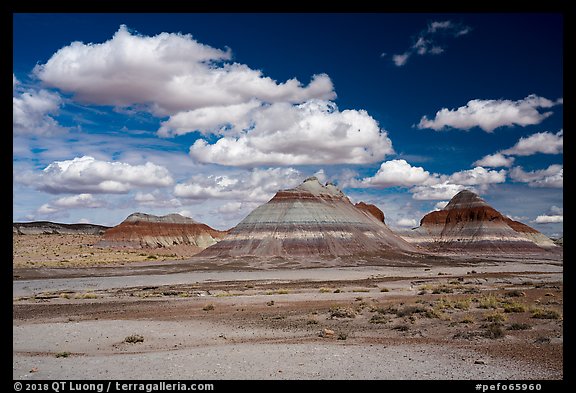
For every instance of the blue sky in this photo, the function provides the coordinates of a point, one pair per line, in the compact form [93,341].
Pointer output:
[208,115]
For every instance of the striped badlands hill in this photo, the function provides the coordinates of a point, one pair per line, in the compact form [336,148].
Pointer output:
[145,230]
[310,220]
[469,223]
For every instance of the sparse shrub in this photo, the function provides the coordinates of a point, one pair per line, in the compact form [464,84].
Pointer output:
[489,301]
[311,322]
[434,313]
[384,290]
[342,336]
[467,319]
[467,335]
[496,317]
[338,290]
[325,290]
[208,307]
[133,339]
[462,304]
[270,303]
[385,310]
[443,304]
[409,310]
[542,313]
[493,331]
[151,257]
[278,292]
[341,312]
[62,354]
[510,307]
[379,318]
[519,326]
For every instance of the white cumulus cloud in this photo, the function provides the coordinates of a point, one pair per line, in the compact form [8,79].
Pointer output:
[87,175]
[495,160]
[314,132]
[552,177]
[79,201]
[167,73]
[491,114]
[440,191]
[407,222]
[397,173]
[478,176]
[545,219]
[156,199]
[33,111]
[556,210]
[257,185]
[540,142]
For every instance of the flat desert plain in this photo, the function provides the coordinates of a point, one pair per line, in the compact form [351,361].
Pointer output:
[143,315]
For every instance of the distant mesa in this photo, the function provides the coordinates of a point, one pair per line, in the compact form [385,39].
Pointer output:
[469,223]
[311,220]
[140,230]
[54,228]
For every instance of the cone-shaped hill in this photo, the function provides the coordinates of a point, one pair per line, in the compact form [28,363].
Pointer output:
[310,220]
[469,223]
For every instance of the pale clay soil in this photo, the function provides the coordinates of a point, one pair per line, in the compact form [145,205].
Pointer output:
[451,318]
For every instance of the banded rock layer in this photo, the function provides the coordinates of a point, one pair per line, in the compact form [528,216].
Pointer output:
[309,220]
[469,223]
[141,230]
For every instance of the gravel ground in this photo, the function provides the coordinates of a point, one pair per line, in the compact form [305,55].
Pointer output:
[266,324]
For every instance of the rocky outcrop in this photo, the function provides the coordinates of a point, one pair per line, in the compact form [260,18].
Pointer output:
[53,228]
[469,223]
[309,220]
[141,230]
[372,209]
